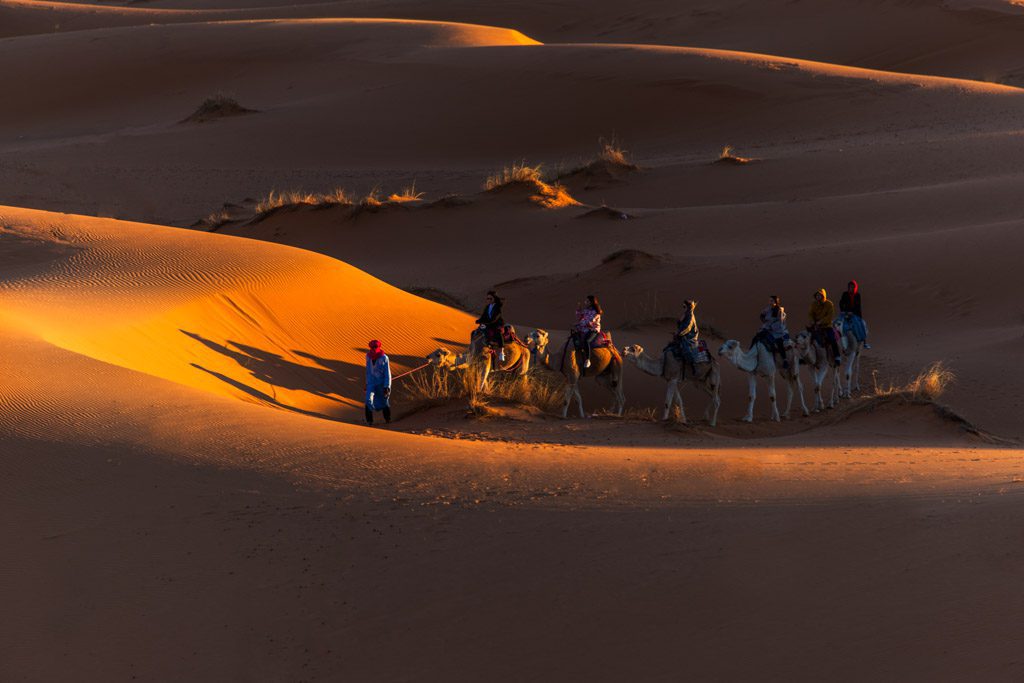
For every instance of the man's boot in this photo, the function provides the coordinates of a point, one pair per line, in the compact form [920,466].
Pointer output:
[369,416]
[387,414]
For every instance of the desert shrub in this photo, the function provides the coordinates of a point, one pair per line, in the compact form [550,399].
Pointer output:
[728,156]
[408,194]
[435,386]
[519,172]
[928,385]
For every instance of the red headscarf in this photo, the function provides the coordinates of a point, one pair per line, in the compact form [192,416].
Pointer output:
[855,287]
[376,350]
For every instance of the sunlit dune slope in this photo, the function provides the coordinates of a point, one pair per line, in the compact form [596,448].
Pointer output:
[256,321]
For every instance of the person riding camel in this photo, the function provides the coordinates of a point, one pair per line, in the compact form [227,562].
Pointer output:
[378,382]
[821,315]
[849,305]
[688,334]
[491,323]
[588,326]
[773,333]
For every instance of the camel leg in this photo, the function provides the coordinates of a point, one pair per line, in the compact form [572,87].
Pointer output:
[579,399]
[773,399]
[678,398]
[789,397]
[670,397]
[819,403]
[856,372]
[837,383]
[751,397]
[568,400]
[800,392]
[716,402]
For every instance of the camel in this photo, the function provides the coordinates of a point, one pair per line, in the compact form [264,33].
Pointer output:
[517,360]
[757,361]
[606,367]
[816,356]
[851,356]
[708,378]
[537,341]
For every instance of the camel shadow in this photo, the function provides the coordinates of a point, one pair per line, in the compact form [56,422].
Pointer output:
[331,381]
[259,395]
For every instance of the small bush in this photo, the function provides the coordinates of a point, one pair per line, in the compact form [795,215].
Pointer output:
[435,386]
[408,194]
[518,172]
[929,384]
[728,156]
[217,107]
[612,153]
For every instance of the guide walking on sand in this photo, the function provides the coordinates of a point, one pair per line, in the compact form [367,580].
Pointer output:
[378,382]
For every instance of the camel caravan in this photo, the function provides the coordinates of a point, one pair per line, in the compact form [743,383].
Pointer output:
[829,347]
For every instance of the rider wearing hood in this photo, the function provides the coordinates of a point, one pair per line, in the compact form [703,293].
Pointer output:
[821,316]
[849,305]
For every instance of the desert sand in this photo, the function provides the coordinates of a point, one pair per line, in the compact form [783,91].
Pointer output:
[189,493]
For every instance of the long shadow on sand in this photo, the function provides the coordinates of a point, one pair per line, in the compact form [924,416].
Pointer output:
[331,381]
[261,396]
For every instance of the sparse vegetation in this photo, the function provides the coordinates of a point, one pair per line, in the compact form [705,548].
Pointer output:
[928,385]
[729,156]
[547,195]
[519,172]
[215,220]
[612,153]
[436,387]
[217,107]
[408,194]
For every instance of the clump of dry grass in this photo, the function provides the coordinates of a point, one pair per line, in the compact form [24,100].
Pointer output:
[435,386]
[519,172]
[547,195]
[408,194]
[729,156]
[217,107]
[215,220]
[276,200]
[613,153]
[928,385]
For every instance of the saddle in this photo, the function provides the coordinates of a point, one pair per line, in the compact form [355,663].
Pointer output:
[695,353]
[603,340]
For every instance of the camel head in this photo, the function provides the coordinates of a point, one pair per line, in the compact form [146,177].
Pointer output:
[803,341]
[537,340]
[442,358]
[633,352]
[730,349]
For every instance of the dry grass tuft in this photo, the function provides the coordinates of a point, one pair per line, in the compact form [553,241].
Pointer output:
[435,387]
[728,156]
[547,195]
[408,194]
[613,154]
[929,384]
[519,172]
[217,107]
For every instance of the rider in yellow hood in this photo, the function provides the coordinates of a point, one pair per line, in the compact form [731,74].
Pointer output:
[822,310]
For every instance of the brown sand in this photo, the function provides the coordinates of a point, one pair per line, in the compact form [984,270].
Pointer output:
[187,494]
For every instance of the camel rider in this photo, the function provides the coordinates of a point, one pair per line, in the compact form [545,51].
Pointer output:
[687,333]
[491,323]
[588,326]
[849,305]
[773,333]
[378,382]
[820,316]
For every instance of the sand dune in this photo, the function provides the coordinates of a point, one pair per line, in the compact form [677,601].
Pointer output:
[262,323]
[185,490]
[332,108]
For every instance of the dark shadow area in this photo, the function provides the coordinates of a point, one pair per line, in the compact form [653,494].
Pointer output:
[331,381]
[257,394]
